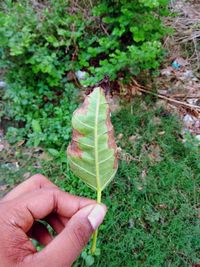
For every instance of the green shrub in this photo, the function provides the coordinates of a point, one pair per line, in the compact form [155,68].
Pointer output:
[41,43]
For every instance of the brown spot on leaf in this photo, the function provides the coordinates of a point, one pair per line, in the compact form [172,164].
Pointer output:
[111,139]
[83,108]
[73,148]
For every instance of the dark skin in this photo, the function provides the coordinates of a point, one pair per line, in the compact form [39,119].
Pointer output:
[73,218]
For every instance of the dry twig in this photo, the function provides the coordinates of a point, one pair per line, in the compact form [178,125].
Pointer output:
[147,91]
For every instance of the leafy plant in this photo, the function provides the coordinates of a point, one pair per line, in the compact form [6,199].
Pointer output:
[44,43]
[92,152]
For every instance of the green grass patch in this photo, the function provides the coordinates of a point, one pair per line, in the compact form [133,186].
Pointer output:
[154,200]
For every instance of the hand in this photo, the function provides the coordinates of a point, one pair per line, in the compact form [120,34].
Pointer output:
[73,218]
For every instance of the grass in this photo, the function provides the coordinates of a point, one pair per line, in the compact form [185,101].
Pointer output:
[154,200]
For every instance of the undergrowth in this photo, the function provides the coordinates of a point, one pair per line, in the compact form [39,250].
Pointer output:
[45,43]
[153,202]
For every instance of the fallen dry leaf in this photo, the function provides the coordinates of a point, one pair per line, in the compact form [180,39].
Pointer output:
[132,138]
[3,187]
[140,188]
[122,155]
[156,121]
[20,143]
[1,147]
[163,206]
[161,133]
[114,103]
[120,136]
[154,154]
[144,174]
[27,175]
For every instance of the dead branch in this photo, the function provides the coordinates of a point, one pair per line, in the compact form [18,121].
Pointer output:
[184,104]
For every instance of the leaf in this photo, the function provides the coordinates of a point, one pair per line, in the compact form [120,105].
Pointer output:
[97,252]
[36,126]
[54,152]
[89,260]
[92,154]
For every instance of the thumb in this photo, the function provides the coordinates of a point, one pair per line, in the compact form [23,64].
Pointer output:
[67,246]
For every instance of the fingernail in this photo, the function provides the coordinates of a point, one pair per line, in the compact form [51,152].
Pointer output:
[97,215]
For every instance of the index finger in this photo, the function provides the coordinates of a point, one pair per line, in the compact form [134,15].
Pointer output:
[40,203]
[35,182]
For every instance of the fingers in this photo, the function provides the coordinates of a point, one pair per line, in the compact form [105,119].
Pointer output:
[66,247]
[40,233]
[40,203]
[75,218]
[35,182]
[56,222]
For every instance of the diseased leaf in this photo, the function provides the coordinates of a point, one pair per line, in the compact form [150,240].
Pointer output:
[92,152]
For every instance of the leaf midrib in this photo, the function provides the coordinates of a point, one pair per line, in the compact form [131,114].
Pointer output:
[96,144]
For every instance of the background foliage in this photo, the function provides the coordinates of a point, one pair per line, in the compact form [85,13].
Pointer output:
[43,43]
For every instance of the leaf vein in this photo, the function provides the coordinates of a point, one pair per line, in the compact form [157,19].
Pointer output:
[83,123]
[83,169]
